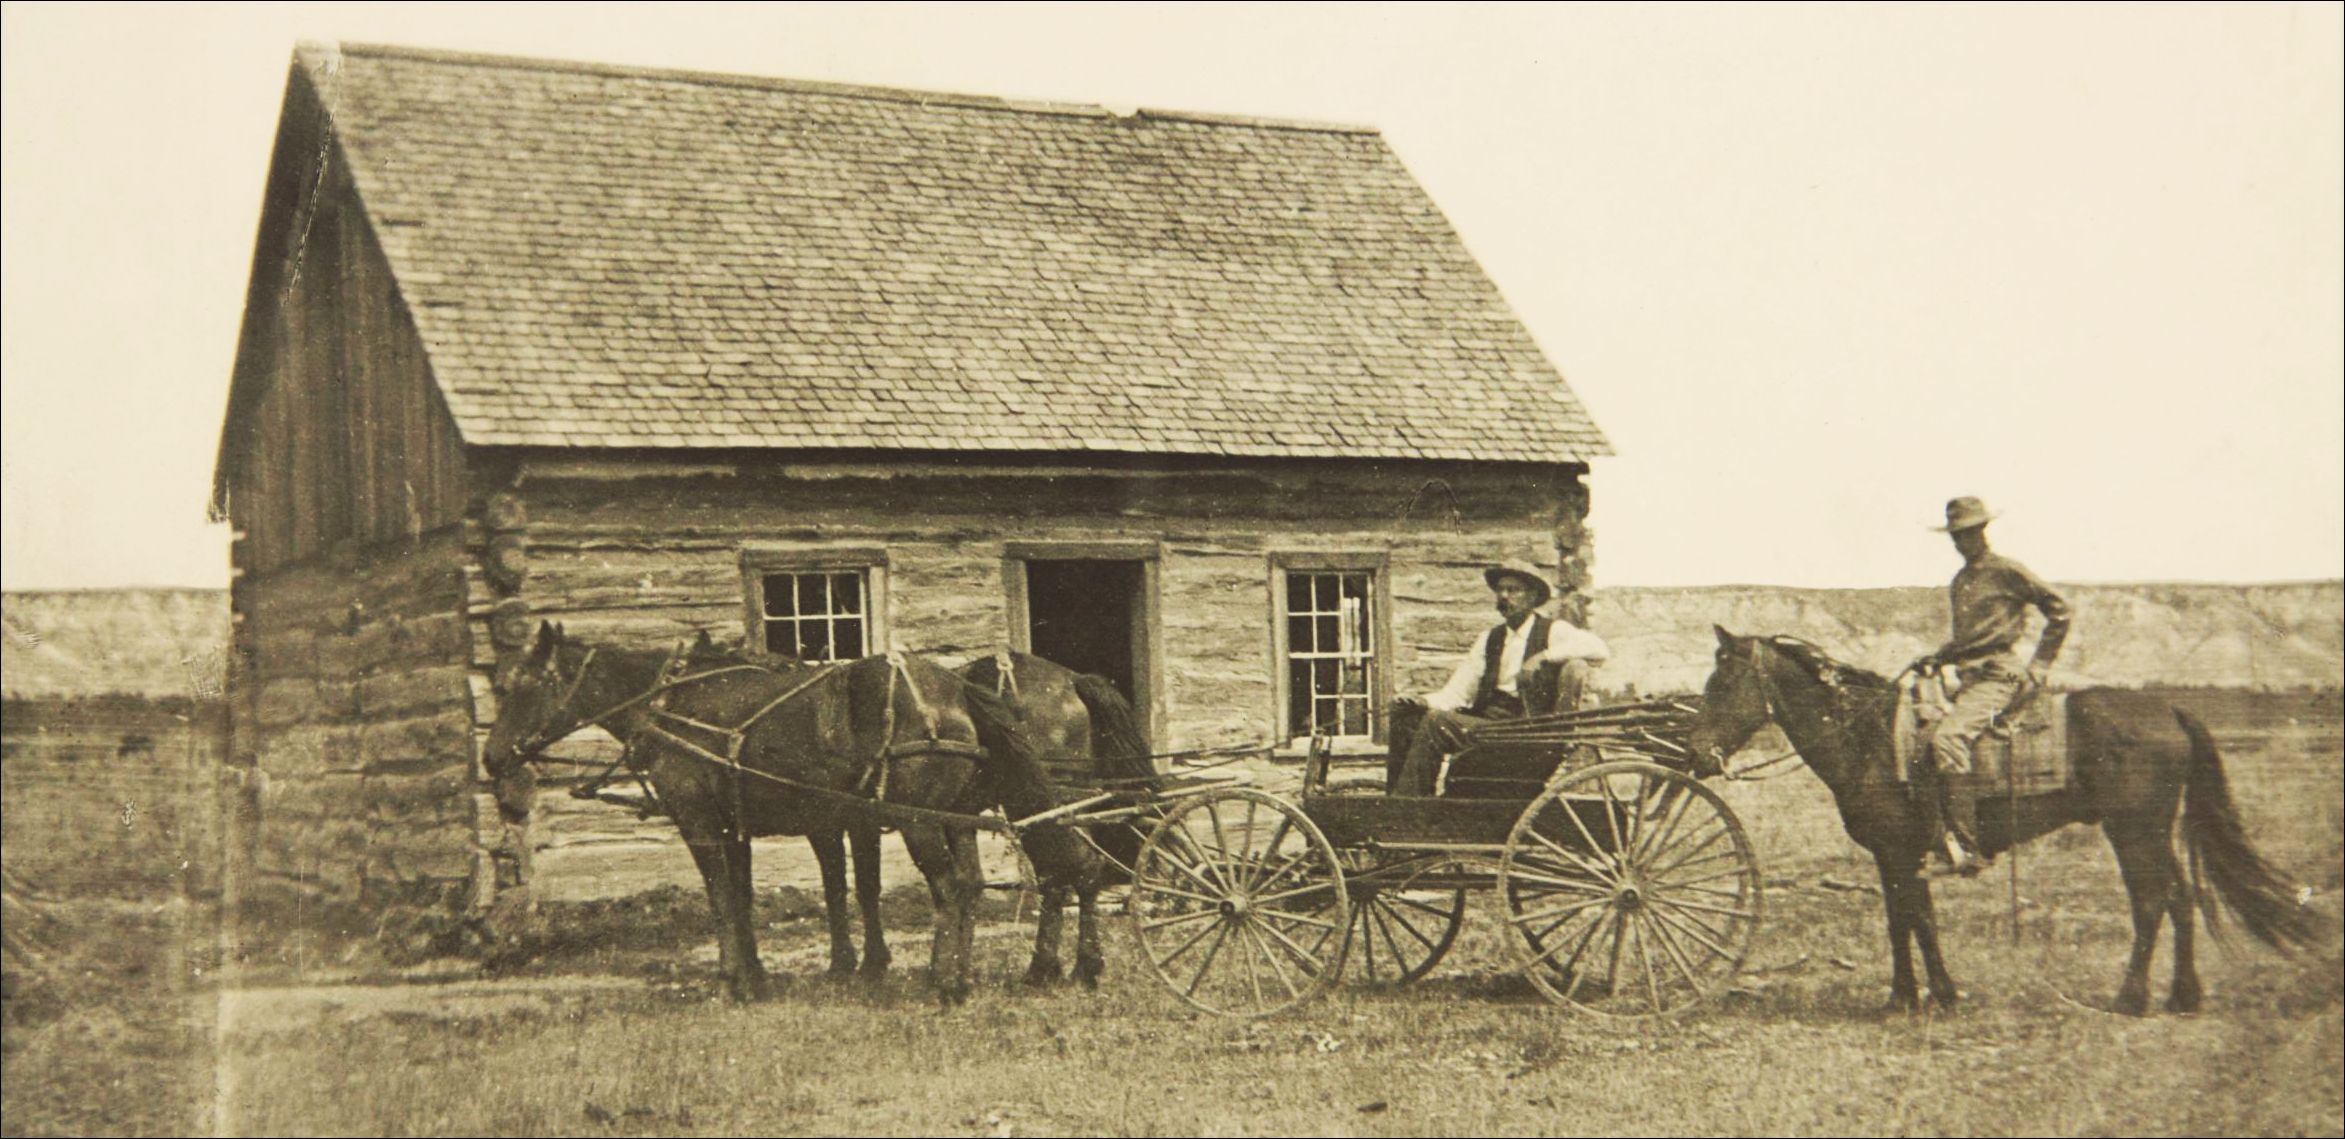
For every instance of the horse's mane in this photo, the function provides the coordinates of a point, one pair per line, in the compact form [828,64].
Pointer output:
[1823,666]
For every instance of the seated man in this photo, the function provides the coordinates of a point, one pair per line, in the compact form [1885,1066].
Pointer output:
[1526,665]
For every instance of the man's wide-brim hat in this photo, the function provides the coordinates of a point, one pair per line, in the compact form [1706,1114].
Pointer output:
[1524,571]
[1965,513]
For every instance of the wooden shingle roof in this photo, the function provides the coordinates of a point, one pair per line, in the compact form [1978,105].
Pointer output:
[609,257]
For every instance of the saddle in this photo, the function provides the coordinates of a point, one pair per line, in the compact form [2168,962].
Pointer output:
[2025,752]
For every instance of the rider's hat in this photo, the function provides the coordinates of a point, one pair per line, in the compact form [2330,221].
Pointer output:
[1525,571]
[1965,513]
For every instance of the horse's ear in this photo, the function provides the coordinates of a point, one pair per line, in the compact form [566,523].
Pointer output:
[702,642]
[1726,640]
[547,637]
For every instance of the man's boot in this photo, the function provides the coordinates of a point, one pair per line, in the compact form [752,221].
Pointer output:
[1963,852]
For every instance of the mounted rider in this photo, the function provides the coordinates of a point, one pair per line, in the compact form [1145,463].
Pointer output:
[1529,664]
[1989,600]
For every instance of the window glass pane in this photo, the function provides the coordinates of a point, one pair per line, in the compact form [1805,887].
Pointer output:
[813,594]
[847,593]
[1298,592]
[1298,684]
[847,638]
[814,641]
[778,638]
[1323,597]
[1329,639]
[1298,635]
[780,596]
[1355,717]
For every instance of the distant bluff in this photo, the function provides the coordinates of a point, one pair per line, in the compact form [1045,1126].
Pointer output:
[2279,636]
[173,642]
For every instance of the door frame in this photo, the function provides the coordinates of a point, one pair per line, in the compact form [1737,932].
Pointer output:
[1147,646]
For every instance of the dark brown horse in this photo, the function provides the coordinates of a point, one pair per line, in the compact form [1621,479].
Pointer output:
[1083,731]
[814,743]
[2131,771]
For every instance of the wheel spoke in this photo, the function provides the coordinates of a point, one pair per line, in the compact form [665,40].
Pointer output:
[1571,812]
[1425,907]
[1663,832]
[1181,919]
[1272,878]
[1689,857]
[1253,973]
[1566,909]
[1393,917]
[1307,958]
[1564,885]
[1297,892]
[1566,919]
[1368,938]
[1596,870]
[1676,956]
[1167,960]
[1645,955]
[1706,908]
[1698,885]
[1619,849]
[1197,870]
[1574,975]
[1277,968]
[1579,946]
[1693,933]
[1659,849]
[1211,952]
[1161,888]
[1612,960]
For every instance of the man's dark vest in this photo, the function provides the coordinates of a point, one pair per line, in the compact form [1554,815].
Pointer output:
[1537,692]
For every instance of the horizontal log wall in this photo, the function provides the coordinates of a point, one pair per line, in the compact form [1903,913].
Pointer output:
[652,559]
[356,725]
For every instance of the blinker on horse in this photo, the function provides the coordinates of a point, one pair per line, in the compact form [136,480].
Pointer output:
[816,746]
[2131,772]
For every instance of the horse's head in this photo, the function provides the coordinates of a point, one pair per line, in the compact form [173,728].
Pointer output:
[533,707]
[1737,701]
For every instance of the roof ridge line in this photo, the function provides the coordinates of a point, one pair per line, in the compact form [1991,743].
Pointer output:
[826,87]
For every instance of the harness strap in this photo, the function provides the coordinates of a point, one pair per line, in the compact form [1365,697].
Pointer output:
[881,810]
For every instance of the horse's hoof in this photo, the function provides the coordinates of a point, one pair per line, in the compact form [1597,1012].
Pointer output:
[2131,1003]
[2184,1000]
[1042,973]
[842,969]
[1903,1004]
[1088,972]
[874,968]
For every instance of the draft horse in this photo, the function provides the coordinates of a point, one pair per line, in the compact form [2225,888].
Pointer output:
[743,751]
[1084,732]
[2131,770]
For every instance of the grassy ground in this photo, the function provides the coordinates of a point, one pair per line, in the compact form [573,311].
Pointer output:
[608,1021]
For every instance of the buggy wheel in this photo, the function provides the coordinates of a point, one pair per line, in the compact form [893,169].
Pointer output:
[1402,927]
[1632,890]
[1239,904]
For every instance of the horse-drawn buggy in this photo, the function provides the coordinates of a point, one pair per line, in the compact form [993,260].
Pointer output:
[1628,886]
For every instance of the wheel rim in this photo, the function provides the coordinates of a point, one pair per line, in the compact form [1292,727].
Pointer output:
[1403,924]
[1632,890]
[1239,905]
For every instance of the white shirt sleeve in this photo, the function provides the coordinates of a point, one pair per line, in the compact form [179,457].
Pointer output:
[1458,694]
[1566,641]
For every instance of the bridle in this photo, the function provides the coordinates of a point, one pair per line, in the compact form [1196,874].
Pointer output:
[664,680]
[1767,703]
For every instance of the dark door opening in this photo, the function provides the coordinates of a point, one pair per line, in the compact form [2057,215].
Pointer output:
[1084,614]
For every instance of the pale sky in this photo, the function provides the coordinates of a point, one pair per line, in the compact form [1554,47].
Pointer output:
[1814,269]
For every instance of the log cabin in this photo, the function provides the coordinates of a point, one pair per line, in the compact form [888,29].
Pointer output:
[1218,407]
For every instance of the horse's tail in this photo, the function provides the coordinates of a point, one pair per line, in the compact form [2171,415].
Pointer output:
[1022,783]
[1119,749]
[2256,892]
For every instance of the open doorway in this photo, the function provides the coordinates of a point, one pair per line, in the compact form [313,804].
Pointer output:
[1089,615]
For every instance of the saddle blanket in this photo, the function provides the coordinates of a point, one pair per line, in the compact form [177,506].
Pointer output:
[2031,744]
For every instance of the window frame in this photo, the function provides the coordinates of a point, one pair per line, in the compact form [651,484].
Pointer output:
[871,561]
[1378,566]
